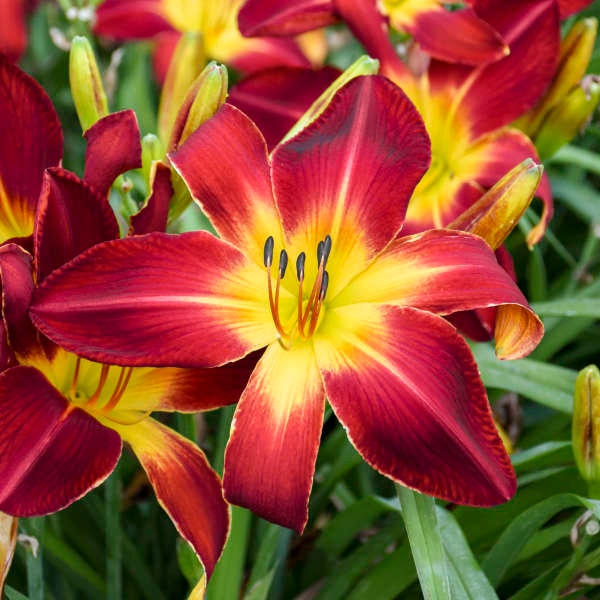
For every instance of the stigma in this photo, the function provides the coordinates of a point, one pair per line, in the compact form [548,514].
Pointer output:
[307,317]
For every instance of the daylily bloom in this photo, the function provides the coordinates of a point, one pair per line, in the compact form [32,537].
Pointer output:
[452,35]
[215,21]
[63,418]
[30,141]
[355,318]
[467,110]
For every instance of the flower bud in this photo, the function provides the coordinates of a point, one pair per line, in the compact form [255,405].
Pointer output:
[365,65]
[152,151]
[586,424]
[498,211]
[203,99]
[86,84]
[186,63]
[569,117]
[575,53]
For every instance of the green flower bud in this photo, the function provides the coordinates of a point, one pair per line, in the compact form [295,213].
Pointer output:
[204,98]
[569,117]
[86,84]
[586,425]
[365,65]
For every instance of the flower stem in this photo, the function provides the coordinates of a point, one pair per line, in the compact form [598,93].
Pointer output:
[425,541]
[34,561]
[112,516]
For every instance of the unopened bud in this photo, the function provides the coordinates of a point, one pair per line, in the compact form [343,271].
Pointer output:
[365,65]
[498,211]
[86,84]
[152,151]
[203,99]
[575,53]
[586,424]
[569,117]
[186,63]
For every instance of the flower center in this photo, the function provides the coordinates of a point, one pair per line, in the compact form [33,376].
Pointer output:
[307,317]
[95,400]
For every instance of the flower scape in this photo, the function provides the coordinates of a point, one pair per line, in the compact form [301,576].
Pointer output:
[265,326]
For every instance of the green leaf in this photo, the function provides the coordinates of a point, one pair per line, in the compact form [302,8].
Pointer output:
[260,589]
[547,384]
[420,520]
[568,307]
[226,581]
[508,547]
[12,594]
[467,580]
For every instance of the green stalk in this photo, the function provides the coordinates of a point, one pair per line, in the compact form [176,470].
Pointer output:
[186,425]
[34,564]
[425,540]
[114,552]
[226,581]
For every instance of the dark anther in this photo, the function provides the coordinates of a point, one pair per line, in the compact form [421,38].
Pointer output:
[300,266]
[324,284]
[320,249]
[268,252]
[326,248]
[283,263]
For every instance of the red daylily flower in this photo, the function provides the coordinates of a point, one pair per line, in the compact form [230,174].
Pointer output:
[13,26]
[166,20]
[467,110]
[357,320]
[63,418]
[453,35]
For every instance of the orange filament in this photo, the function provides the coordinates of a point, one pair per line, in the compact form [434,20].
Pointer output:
[120,387]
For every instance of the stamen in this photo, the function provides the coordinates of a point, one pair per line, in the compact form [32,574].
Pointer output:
[103,375]
[268,251]
[120,388]
[300,266]
[324,284]
[326,249]
[274,297]
[283,263]
[73,393]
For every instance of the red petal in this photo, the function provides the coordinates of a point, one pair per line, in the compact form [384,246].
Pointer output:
[225,165]
[277,98]
[569,7]
[71,218]
[256,54]
[456,36]
[189,300]
[185,485]
[113,148]
[271,453]
[51,453]
[498,93]
[407,389]
[134,19]
[350,174]
[30,141]
[369,26]
[17,288]
[196,390]
[13,31]
[153,216]
[444,272]
[284,17]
